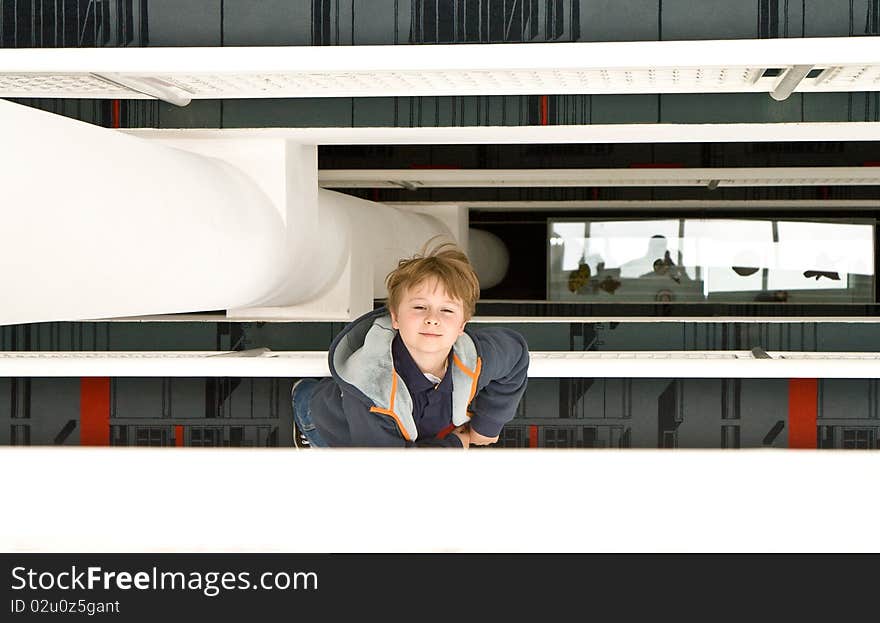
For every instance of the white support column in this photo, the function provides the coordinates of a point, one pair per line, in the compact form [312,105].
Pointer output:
[100,224]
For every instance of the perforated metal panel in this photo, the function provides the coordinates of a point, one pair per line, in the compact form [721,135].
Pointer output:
[72,85]
[848,78]
[351,84]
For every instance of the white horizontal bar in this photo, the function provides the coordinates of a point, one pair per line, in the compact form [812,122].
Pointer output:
[541,134]
[213,317]
[285,500]
[482,178]
[162,364]
[820,51]
[850,64]
[648,205]
[544,364]
[678,319]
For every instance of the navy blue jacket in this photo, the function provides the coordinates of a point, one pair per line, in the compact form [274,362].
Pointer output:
[365,402]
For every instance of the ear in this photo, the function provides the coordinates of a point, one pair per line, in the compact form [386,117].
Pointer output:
[394,324]
[463,325]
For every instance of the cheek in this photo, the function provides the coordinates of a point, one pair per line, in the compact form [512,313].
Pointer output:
[406,322]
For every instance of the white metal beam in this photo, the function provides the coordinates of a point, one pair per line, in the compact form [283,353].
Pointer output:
[822,64]
[544,364]
[218,317]
[542,134]
[776,205]
[484,178]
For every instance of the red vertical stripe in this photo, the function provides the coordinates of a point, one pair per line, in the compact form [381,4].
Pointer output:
[178,436]
[533,436]
[94,412]
[803,398]
[543,110]
[115,113]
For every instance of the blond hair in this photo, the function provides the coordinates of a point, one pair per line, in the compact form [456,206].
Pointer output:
[447,263]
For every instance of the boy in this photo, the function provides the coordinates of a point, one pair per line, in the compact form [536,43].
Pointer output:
[411,374]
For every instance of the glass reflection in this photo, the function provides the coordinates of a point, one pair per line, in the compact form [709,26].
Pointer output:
[722,260]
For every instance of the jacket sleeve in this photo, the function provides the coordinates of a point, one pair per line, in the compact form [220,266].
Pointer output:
[502,383]
[377,430]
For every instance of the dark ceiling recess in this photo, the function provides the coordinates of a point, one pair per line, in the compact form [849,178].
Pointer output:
[601,155]
[527,274]
[608,156]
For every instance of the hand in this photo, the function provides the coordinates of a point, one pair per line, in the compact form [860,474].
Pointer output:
[464,434]
[481,440]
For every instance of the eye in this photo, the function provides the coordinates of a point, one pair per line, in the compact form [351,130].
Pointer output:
[418,307]
[449,311]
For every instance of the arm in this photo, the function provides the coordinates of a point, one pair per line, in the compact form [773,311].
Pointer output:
[476,439]
[457,438]
[464,435]
[505,356]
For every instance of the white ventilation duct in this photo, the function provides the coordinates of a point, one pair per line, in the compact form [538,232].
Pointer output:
[99,224]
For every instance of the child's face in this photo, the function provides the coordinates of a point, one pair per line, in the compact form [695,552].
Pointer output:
[429,321]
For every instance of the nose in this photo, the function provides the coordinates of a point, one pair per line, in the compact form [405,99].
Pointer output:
[432,320]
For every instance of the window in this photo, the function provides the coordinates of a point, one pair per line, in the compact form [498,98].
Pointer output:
[710,260]
[206,437]
[512,437]
[858,438]
[559,437]
[151,436]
